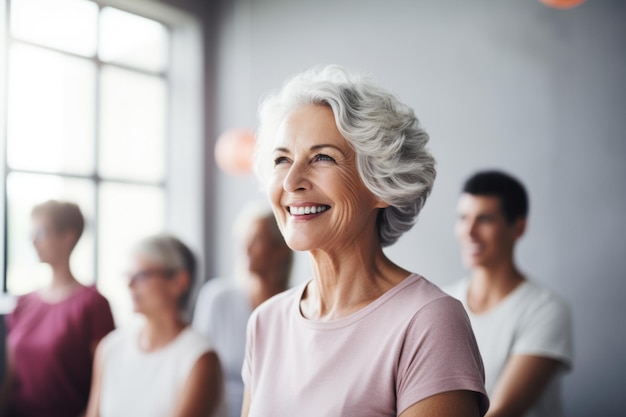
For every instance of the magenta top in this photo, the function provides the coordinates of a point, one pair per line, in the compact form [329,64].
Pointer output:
[51,347]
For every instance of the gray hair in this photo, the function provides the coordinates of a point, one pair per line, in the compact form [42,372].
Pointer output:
[172,254]
[390,145]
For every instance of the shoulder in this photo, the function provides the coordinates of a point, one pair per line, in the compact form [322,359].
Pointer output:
[193,340]
[90,297]
[23,304]
[542,301]
[25,300]
[117,340]
[432,314]
[424,295]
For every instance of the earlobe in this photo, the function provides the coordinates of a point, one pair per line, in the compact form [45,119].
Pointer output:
[183,281]
[520,227]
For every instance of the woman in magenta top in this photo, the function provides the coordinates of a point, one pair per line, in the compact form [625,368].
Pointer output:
[347,172]
[53,332]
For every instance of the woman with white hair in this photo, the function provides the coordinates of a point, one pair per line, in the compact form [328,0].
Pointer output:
[163,367]
[347,172]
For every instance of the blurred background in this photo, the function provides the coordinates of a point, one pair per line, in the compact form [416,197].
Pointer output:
[118,104]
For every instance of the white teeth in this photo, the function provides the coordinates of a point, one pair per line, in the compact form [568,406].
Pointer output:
[307,210]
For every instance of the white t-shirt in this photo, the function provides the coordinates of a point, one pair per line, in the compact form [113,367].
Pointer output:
[529,321]
[137,383]
[222,312]
[412,342]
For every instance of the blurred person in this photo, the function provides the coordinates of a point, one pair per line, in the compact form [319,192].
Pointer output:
[522,329]
[53,332]
[161,367]
[347,171]
[223,307]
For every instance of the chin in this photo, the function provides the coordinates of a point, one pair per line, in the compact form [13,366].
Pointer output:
[472,263]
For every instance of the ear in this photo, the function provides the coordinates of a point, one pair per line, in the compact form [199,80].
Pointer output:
[181,281]
[70,237]
[519,227]
[378,203]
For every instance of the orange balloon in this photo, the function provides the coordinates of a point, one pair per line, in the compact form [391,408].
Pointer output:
[562,4]
[233,151]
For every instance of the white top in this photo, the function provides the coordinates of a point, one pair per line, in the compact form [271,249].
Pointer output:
[137,383]
[222,312]
[529,321]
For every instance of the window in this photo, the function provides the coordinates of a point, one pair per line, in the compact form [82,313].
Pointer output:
[89,117]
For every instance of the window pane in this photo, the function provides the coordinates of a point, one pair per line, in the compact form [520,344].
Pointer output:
[51,111]
[24,271]
[70,25]
[132,135]
[132,40]
[127,213]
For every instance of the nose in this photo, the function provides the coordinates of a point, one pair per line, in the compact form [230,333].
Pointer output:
[472,228]
[296,179]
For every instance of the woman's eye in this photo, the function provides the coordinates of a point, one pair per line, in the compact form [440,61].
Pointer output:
[280,160]
[323,157]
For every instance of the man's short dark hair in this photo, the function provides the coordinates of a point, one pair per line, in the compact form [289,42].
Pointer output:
[510,191]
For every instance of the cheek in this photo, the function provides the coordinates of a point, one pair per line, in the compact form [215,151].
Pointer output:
[355,195]
[460,230]
[274,190]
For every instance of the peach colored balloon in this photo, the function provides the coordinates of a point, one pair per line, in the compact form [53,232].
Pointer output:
[562,4]
[233,151]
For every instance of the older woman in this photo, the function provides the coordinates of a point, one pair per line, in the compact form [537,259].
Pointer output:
[347,172]
[163,367]
[223,308]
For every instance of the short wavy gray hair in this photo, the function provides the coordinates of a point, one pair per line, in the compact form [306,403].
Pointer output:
[390,145]
[172,254]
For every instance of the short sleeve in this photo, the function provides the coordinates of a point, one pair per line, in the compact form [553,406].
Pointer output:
[546,331]
[440,354]
[100,317]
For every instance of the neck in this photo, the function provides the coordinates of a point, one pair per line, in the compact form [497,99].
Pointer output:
[160,330]
[63,283]
[490,285]
[347,280]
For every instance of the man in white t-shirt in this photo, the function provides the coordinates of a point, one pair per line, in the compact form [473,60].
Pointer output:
[523,330]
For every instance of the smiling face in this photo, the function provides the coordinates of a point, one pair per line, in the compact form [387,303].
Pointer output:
[486,238]
[315,189]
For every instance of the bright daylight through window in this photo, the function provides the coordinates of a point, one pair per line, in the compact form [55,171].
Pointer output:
[86,121]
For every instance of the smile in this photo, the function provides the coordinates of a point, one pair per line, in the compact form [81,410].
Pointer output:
[304,210]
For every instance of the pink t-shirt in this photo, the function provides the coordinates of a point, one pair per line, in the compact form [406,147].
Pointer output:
[51,349]
[411,343]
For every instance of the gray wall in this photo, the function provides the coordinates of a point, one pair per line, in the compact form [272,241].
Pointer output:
[509,84]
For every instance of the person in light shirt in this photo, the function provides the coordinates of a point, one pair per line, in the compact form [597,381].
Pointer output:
[347,171]
[523,329]
[162,367]
[224,305]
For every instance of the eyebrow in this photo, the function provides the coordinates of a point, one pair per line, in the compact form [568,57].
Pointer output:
[313,148]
